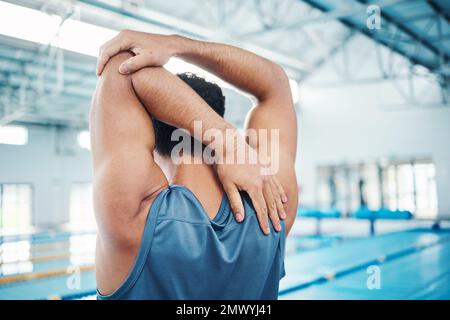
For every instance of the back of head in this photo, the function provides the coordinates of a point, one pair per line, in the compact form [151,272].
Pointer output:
[208,91]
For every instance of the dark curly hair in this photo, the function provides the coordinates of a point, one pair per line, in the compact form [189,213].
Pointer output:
[210,92]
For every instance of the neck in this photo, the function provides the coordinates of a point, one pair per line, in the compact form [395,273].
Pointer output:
[201,179]
[196,177]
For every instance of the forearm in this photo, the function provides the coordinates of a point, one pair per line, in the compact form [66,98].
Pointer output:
[243,69]
[170,100]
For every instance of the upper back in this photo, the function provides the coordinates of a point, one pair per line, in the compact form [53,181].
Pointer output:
[185,255]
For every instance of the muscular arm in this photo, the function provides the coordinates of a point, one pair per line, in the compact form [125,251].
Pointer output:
[122,139]
[126,178]
[170,100]
[274,110]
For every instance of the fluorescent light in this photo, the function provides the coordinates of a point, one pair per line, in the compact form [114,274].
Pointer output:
[37,26]
[85,38]
[84,140]
[15,135]
[27,24]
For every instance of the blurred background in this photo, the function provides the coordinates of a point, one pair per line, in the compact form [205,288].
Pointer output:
[370,82]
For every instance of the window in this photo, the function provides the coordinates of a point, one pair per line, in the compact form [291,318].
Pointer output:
[405,187]
[82,249]
[426,190]
[15,205]
[370,185]
[81,206]
[347,187]
[84,140]
[326,189]
[398,185]
[390,195]
[15,257]
[343,185]
[15,135]
[411,186]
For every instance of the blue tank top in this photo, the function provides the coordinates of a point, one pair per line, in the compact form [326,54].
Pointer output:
[185,255]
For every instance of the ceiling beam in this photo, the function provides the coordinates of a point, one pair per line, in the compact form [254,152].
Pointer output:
[365,31]
[333,51]
[324,17]
[181,26]
[405,29]
[99,13]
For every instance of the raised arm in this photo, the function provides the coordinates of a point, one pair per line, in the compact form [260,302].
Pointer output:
[251,73]
[274,110]
[169,99]
[122,139]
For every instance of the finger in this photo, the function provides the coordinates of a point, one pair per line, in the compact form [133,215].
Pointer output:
[278,201]
[108,50]
[272,207]
[135,63]
[235,200]
[280,189]
[261,210]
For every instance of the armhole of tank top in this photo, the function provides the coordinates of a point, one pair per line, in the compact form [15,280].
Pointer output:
[221,212]
[141,258]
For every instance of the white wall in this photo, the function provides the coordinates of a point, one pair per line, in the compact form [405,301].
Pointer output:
[353,123]
[51,162]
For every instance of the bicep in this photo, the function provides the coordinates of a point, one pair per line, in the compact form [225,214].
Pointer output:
[278,140]
[122,139]
[280,121]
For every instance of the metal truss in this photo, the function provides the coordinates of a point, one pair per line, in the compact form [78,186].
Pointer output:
[280,30]
[39,73]
[396,32]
